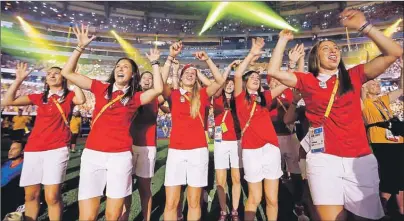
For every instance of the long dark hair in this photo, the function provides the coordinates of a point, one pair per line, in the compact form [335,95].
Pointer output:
[133,82]
[47,88]
[345,84]
[263,102]
[232,104]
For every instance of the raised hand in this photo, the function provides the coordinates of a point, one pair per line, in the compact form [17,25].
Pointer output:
[286,34]
[21,72]
[235,63]
[202,56]
[257,45]
[175,49]
[294,54]
[352,18]
[154,54]
[82,36]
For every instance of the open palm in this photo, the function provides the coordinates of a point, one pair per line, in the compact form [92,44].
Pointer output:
[21,72]
[82,36]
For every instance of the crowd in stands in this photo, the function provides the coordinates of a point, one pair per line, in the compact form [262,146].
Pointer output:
[323,19]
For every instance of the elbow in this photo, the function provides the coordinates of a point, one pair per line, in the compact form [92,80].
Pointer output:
[81,101]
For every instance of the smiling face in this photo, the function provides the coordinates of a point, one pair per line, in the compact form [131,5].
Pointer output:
[54,78]
[146,82]
[329,55]
[229,87]
[189,77]
[253,82]
[123,72]
[373,87]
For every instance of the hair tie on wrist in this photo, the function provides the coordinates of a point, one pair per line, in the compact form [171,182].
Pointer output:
[155,62]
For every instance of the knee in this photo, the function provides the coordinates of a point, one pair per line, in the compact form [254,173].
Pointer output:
[235,180]
[112,214]
[52,198]
[255,199]
[171,205]
[271,201]
[88,217]
[194,203]
[33,196]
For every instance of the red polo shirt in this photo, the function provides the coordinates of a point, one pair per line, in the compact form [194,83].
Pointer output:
[50,131]
[344,129]
[143,128]
[219,111]
[110,133]
[261,130]
[187,133]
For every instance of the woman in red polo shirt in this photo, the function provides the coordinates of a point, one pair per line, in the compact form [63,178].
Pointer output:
[261,154]
[107,158]
[341,169]
[46,153]
[143,130]
[227,151]
[188,156]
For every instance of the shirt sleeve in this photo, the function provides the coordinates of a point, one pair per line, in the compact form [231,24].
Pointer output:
[136,98]
[36,99]
[358,72]
[268,97]
[98,87]
[302,80]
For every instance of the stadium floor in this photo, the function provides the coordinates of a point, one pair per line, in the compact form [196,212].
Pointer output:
[211,209]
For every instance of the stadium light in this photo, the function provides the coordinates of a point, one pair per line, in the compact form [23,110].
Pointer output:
[215,15]
[132,52]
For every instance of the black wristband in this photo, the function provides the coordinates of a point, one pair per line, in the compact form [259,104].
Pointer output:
[364,26]
[294,103]
[155,62]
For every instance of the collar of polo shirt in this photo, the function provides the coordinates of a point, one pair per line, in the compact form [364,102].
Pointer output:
[115,88]
[58,93]
[183,91]
[326,77]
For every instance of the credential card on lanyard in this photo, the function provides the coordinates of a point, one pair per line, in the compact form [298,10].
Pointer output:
[317,139]
[218,134]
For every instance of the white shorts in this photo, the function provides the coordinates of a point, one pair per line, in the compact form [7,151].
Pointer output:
[289,146]
[44,167]
[100,169]
[228,154]
[187,167]
[351,182]
[262,163]
[144,159]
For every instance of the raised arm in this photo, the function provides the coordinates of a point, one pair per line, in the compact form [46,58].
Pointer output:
[205,80]
[226,74]
[286,78]
[300,62]
[296,58]
[157,89]
[9,98]
[256,50]
[278,90]
[68,70]
[291,115]
[79,97]
[219,80]
[175,49]
[391,51]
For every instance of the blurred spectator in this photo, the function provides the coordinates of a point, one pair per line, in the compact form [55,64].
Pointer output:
[19,124]
[10,178]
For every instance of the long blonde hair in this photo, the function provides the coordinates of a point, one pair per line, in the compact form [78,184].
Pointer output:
[195,98]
